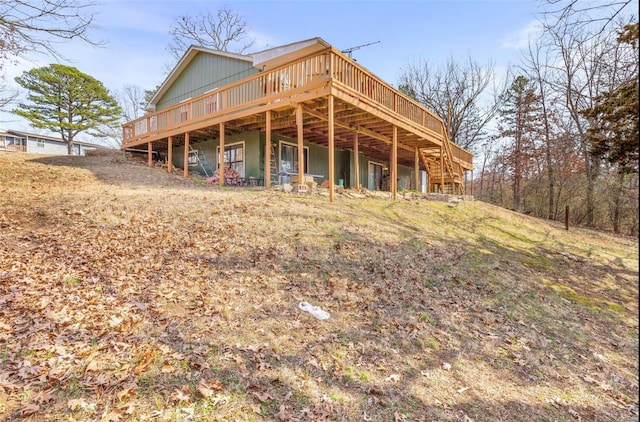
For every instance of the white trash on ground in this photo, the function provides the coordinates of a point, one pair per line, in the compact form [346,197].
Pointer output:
[316,311]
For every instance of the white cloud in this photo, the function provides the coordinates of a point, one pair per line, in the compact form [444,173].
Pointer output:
[521,38]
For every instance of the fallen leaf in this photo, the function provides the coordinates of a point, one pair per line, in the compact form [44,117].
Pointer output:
[45,396]
[180,395]
[111,417]
[145,363]
[399,417]
[263,397]
[393,378]
[207,390]
[167,368]
[28,409]
[126,393]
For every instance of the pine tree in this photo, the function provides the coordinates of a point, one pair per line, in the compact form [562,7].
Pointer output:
[519,118]
[67,101]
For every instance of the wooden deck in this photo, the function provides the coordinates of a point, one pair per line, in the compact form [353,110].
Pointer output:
[323,98]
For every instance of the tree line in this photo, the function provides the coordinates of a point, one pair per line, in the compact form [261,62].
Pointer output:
[561,129]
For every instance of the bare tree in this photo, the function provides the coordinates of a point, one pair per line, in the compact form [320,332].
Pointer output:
[7,95]
[27,25]
[465,94]
[535,64]
[224,30]
[132,101]
[599,15]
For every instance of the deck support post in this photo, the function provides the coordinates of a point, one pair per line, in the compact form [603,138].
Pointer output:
[331,149]
[267,150]
[221,158]
[356,160]
[442,169]
[299,124]
[169,153]
[416,170]
[185,164]
[149,154]
[394,164]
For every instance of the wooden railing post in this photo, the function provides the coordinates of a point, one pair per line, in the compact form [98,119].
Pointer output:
[331,150]
[394,164]
[221,158]
[185,165]
[416,170]
[267,150]
[356,160]
[169,153]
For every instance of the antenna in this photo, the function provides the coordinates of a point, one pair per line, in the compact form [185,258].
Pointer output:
[348,51]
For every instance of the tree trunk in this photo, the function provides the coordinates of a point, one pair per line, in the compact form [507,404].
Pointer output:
[617,202]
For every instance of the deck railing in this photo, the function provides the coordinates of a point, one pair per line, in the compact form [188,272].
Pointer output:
[372,88]
[249,92]
[12,147]
[290,79]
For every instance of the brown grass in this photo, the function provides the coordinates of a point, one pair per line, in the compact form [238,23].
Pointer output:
[127,293]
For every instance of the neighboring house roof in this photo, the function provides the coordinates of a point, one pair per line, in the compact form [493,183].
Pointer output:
[50,138]
[3,133]
[261,60]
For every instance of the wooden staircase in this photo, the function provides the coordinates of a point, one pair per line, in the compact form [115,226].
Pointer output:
[445,174]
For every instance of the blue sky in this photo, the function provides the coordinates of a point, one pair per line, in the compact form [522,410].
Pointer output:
[135,34]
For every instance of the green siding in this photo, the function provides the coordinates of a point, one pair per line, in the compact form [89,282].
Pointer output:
[318,158]
[405,174]
[205,72]
[254,148]
[251,142]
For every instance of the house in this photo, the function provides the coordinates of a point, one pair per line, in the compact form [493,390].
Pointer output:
[13,140]
[302,108]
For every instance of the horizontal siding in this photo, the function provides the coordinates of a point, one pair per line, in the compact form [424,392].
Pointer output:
[49,147]
[205,72]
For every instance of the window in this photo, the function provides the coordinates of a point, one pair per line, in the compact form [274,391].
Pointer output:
[233,157]
[40,142]
[289,158]
[192,158]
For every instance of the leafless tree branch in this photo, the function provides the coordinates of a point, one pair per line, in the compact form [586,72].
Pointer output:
[599,17]
[459,92]
[27,25]
[224,30]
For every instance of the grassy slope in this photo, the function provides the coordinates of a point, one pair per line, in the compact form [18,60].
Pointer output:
[128,293]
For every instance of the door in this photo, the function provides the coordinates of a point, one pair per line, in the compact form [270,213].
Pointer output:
[375,176]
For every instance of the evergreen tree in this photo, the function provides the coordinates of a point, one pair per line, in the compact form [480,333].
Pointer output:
[519,117]
[614,137]
[66,101]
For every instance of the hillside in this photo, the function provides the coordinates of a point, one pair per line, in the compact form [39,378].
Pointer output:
[127,293]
